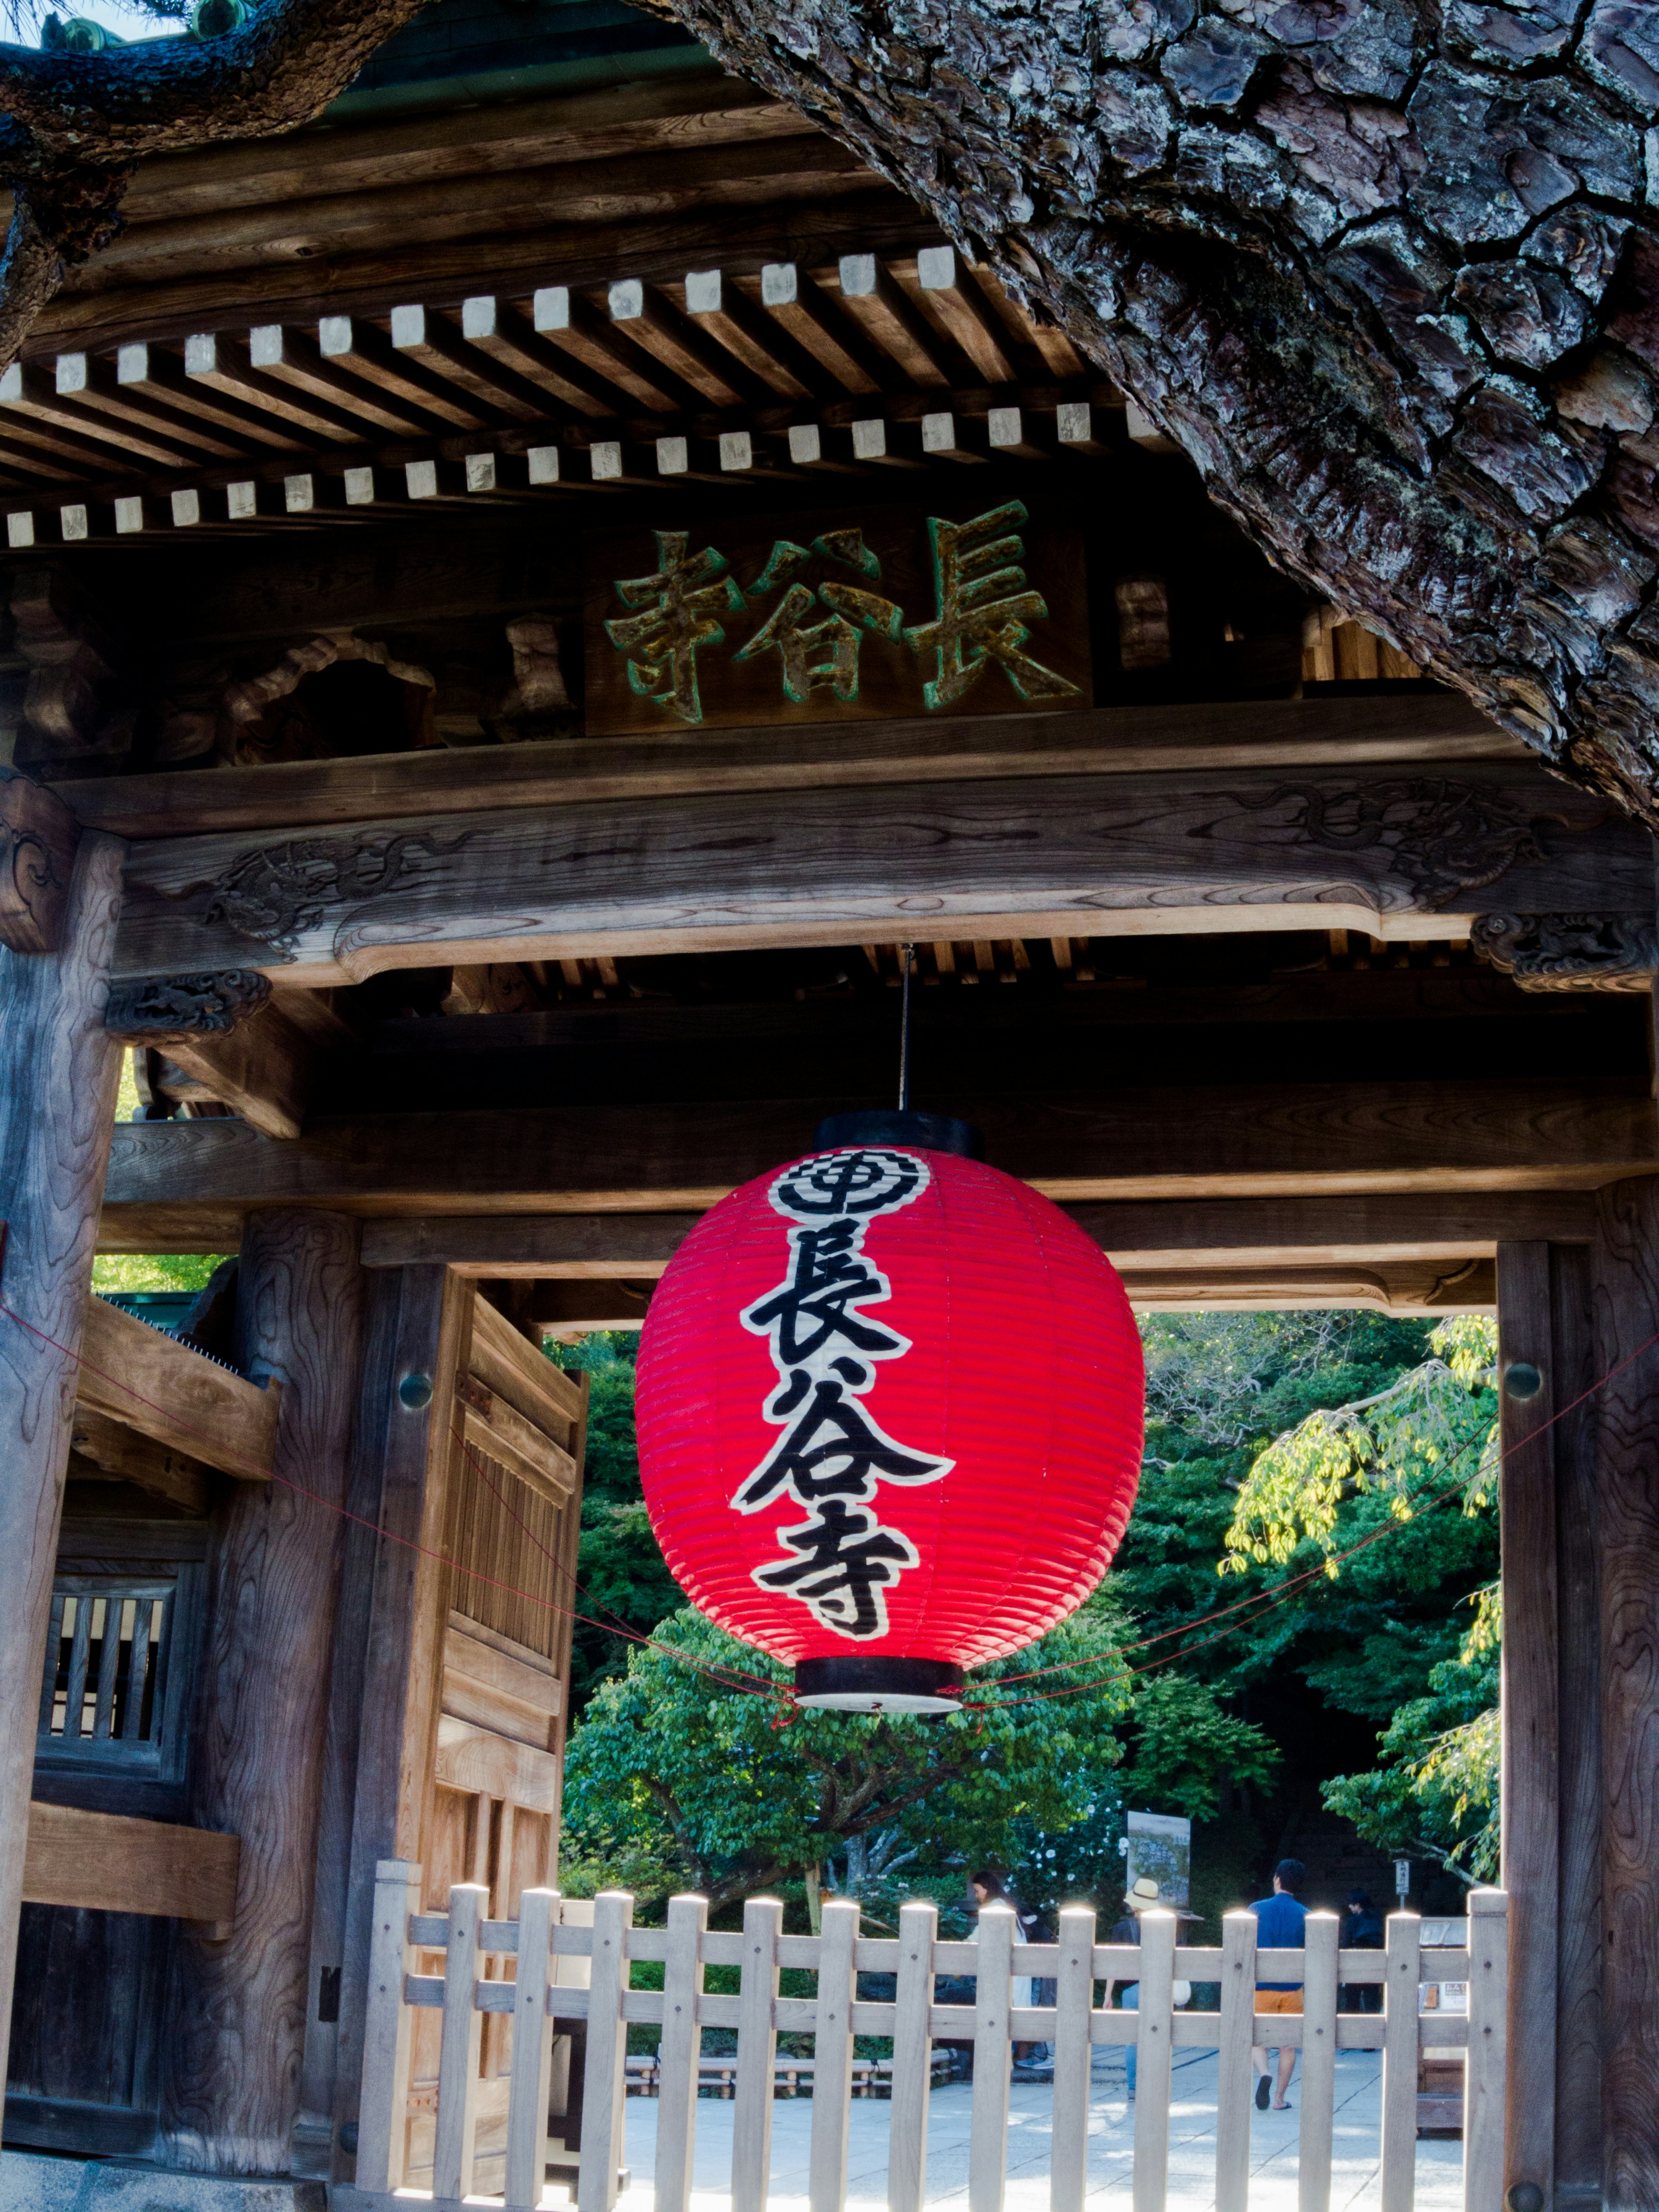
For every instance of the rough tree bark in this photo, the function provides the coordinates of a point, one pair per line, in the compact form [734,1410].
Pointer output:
[1387,271]
[75,124]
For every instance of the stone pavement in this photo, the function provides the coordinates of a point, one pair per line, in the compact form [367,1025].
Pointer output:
[1355,2161]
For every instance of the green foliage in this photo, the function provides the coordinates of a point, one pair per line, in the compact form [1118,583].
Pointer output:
[1402,1440]
[620,1568]
[1434,1789]
[698,1773]
[1184,1746]
[131,1271]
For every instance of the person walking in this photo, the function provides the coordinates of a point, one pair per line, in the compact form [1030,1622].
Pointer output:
[1362,1930]
[1126,1996]
[1281,1925]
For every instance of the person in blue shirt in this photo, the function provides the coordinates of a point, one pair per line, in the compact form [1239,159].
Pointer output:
[1281,1925]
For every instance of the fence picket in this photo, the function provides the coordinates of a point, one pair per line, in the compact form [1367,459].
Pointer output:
[1399,2044]
[605,2082]
[993,2058]
[1068,2158]
[679,2052]
[1236,2032]
[1320,1937]
[1154,2035]
[832,2058]
[757,2048]
[383,2099]
[913,2056]
[1484,2066]
[532,2053]
[461,2044]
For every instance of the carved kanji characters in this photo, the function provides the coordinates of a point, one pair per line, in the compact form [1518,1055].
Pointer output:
[983,605]
[678,607]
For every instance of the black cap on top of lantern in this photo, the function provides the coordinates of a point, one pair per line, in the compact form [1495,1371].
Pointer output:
[836,1471]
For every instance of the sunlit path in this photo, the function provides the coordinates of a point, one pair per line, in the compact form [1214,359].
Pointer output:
[1355,2174]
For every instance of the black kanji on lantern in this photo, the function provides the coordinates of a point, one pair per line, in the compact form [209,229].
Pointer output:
[833,1452]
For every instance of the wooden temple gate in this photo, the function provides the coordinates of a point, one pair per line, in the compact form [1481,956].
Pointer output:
[522,597]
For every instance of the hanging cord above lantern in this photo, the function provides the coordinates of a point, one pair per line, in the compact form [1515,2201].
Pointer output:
[906,962]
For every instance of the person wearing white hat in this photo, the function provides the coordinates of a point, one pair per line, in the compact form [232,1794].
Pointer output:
[1141,1897]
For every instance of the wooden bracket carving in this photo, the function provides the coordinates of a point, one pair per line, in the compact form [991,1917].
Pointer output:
[72,710]
[155,1010]
[1572,952]
[38,838]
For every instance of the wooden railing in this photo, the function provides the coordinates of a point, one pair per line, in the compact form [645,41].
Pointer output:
[1073,2025]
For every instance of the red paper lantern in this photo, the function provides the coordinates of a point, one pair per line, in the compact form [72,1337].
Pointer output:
[890,1407]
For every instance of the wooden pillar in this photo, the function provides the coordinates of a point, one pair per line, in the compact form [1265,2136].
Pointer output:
[57,1082]
[420,1326]
[1550,1787]
[1626,1315]
[239,2008]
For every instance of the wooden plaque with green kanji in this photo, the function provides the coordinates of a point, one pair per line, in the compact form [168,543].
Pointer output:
[962,608]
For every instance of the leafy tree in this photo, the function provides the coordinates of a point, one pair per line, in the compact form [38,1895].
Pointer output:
[1183,1748]
[705,1769]
[624,1582]
[1434,1789]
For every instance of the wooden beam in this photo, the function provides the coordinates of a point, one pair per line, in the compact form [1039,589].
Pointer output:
[223,1030]
[1098,741]
[1283,1232]
[1101,855]
[133,1374]
[111,1449]
[1257,1141]
[1386,1286]
[56,1110]
[106,1862]
[499,1430]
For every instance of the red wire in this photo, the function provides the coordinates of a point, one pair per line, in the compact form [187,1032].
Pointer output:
[1266,1600]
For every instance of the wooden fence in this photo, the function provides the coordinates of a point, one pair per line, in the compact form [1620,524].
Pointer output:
[537,2000]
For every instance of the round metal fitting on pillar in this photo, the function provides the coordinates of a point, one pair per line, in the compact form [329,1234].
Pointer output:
[415,1393]
[1522,1381]
[1524,2196]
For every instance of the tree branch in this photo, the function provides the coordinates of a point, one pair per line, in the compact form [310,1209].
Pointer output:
[77,123]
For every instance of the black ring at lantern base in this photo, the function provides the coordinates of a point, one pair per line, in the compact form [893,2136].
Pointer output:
[887,1125]
[879,1686]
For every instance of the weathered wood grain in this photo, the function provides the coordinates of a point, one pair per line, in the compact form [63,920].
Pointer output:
[262,1070]
[237,2032]
[1531,1784]
[110,1447]
[493,1426]
[1577,1578]
[1159,1233]
[1098,740]
[1626,1316]
[133,1374]
[108,1864]
[57,1108]
[37,838]
[1242,1141]
[419,1322]
[511,1366]
[1070,856]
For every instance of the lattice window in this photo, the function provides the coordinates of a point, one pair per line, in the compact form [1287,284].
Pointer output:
[106,1699]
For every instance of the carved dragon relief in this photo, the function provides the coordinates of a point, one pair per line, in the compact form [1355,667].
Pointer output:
[1572,952]
[1443,838]
[276,893]
[156,1010]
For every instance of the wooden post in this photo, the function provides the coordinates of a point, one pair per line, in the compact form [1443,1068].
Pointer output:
[236,2038]
[394,1596]
[1626,1316]
[56,1109]
[1552,1814]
